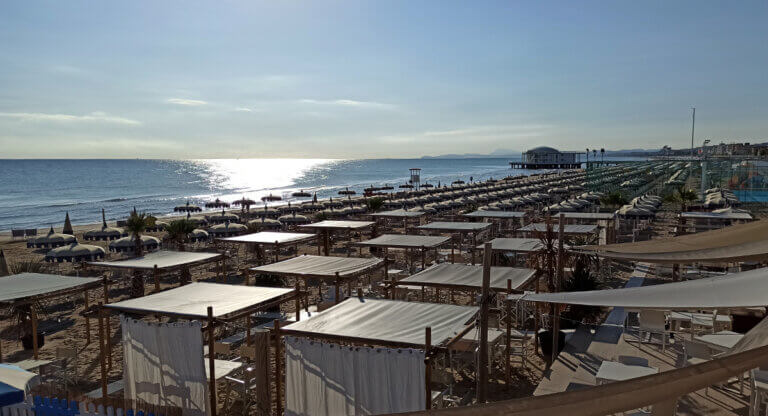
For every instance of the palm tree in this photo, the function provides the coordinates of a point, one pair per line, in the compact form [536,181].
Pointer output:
[137,224]
[681,196]
[613,199]
[179,230]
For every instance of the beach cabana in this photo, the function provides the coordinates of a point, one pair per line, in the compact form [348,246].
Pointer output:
[227,229]
[461,228]
[163,261]
[392,326]
[333,270]
[211,303]
[465,277]
[74,253]
[268,239]
[327,227]
[31,288]
[407,243]
[51,240]
[128,244]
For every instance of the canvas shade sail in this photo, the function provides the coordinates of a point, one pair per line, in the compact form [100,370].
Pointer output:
[456,226]
[162,259]
[739,290]
[389,321]
[567,229]
[268,237]
[194,299]
[399,213]
[321,266]
[495,214]
[405,241]
[464,276]
[29,285]
[339,225]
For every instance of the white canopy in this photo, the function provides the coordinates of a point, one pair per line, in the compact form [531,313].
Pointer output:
[399,213]
[339,225]
[162,259]
[567,229]
[27,285]
[404,241]
[194,299]
[269,237]
[456,226]
[739,290]
[495,214]
[388,321]
[321,266]
[464,276]
[522,245]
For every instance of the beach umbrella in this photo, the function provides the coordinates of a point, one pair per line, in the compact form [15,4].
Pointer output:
[222,218]
[187,208]
[386,187]
[217,204]
[301,194]
[105,233]
[128,244]
[51,240]
[271,198]
[75,252]
[196,220]
[347,192]
[198,235]
[264,224]
[67,226]
[406,186]
[244,202]
[294,219]
[227,229]
[458,182]
[4,270]
[371,189]
[268,212]
[15,384]
[427,185]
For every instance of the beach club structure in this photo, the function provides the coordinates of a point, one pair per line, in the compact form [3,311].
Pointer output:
[338,334]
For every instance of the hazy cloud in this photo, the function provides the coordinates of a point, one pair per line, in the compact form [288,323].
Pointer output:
[186,102]
[97,116]
[348,103]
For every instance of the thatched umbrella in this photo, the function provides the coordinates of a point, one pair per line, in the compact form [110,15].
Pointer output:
[294,219]
[458,182]
[347,192]
[128,244]
[406,186]
[427,185]
[301,194]
[217,204]
[371,189]
[187,208]
[51,240]
[386,187]
[4,270]
[271,198]
[227,229]
[67,226]
[75,252]
[222,218]
[264,224]
[104,233]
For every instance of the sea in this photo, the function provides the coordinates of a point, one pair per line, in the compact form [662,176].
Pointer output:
[38,193]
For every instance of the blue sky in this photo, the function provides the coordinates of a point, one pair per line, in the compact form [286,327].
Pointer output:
[347,79]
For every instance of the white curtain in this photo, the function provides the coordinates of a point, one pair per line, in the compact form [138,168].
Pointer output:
[327,379]
[163,365]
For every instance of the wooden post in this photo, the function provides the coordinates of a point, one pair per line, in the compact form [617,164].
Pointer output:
[278,381]
[336,288]
[277,252]
[107,340]
[327,242]
[102,353]
[106,290]
[33,315]
[298,301]
[423,257]
[453,246]
[482,371]
[248,339]
[247,276]
[558,285]
[87,321]
[319,243]
[156,276]
[508,350]
[428,367]
[211,361]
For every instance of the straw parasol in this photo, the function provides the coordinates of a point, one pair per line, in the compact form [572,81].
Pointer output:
[67,226]
[427,185]
[75,252]
[217,204]
[301,194]
[128,244]
[458,182]
[346,191]
[271,198]
[386,187]
[294,219]
[406,186]
[51,240]
[187,208]
[227,229]
[264,224]
[104,233]
[244,202]
[222,218]
[4,270]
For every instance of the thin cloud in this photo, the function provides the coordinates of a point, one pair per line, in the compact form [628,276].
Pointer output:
[186,102]
[244,109]
[348,103]
[98,116]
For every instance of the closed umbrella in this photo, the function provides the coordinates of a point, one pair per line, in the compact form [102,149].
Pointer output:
[67,225]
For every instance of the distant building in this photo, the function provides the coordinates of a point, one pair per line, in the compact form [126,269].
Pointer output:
[544,157]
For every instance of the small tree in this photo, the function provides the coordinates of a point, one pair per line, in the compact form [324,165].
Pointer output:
[137,224]
[374,204]
[178,232]
[614,199]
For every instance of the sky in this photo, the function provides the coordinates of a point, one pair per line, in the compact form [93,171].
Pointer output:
[370,79]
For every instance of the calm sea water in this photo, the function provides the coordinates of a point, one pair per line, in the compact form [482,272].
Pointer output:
[37,193]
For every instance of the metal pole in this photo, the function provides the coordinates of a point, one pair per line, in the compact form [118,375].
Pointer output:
[482,370]
[693,130]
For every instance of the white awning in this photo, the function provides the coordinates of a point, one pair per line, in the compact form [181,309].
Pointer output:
[338,225]
[162,259]
[321,266]
[464,276]
[567,229]
[456,226]
[268,237]
[495,214]
[29,285]
[399,213]
[388,321]
[739,290]
[404,241]
[194,299]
